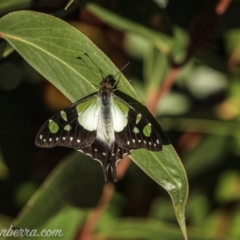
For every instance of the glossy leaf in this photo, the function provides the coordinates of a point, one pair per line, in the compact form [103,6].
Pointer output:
[52,46]
[130,228]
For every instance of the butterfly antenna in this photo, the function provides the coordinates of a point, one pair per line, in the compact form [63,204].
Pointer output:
[122,69]
[101,72]
[118,73]
[68,4]
[88,68]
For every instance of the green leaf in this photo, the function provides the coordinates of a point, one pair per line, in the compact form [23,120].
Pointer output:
[155,75]
[213,147]
[65,223]
[166,169]
[52,46]
[198,208]
[5,221]
[232,38]
[234,227]
[11,5]
[4,171]
[130,228]
[227,189]
[63,200]
[175,44]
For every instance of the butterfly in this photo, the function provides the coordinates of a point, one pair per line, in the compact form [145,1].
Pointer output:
[101,125]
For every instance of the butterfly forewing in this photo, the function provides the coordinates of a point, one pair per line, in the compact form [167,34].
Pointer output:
[67,128]
[139,131]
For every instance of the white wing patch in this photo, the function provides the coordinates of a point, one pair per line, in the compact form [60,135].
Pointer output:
[119,115]
[105,132]
[89,118]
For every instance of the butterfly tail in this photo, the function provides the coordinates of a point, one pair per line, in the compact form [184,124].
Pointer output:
[105,172]
[116,155]
[114,172]
[112,164]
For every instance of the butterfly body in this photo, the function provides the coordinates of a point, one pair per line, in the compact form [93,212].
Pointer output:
[105,129]
[102,126]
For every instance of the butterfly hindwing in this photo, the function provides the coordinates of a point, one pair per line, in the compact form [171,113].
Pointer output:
[139,131]
[97,151]
[100,152]
[74,127]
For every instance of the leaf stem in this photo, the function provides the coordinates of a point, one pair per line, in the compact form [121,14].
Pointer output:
[154,97]
[96,213]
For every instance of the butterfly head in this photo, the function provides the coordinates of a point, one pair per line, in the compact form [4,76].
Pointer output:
[106,87]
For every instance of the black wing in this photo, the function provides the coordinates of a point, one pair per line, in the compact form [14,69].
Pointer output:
[138,133]
[63,129]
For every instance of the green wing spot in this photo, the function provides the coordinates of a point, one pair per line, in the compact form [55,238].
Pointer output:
[81,107]
[136,130]
[67,127]
[53,127]
[63,115]
[138,119]
[147,130]
[123,107]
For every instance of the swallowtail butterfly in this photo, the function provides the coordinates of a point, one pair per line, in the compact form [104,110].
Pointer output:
[101,125]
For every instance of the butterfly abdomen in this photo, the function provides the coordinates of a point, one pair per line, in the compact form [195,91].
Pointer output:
[105,131]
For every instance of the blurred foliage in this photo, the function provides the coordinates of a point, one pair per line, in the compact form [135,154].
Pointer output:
[200,115]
